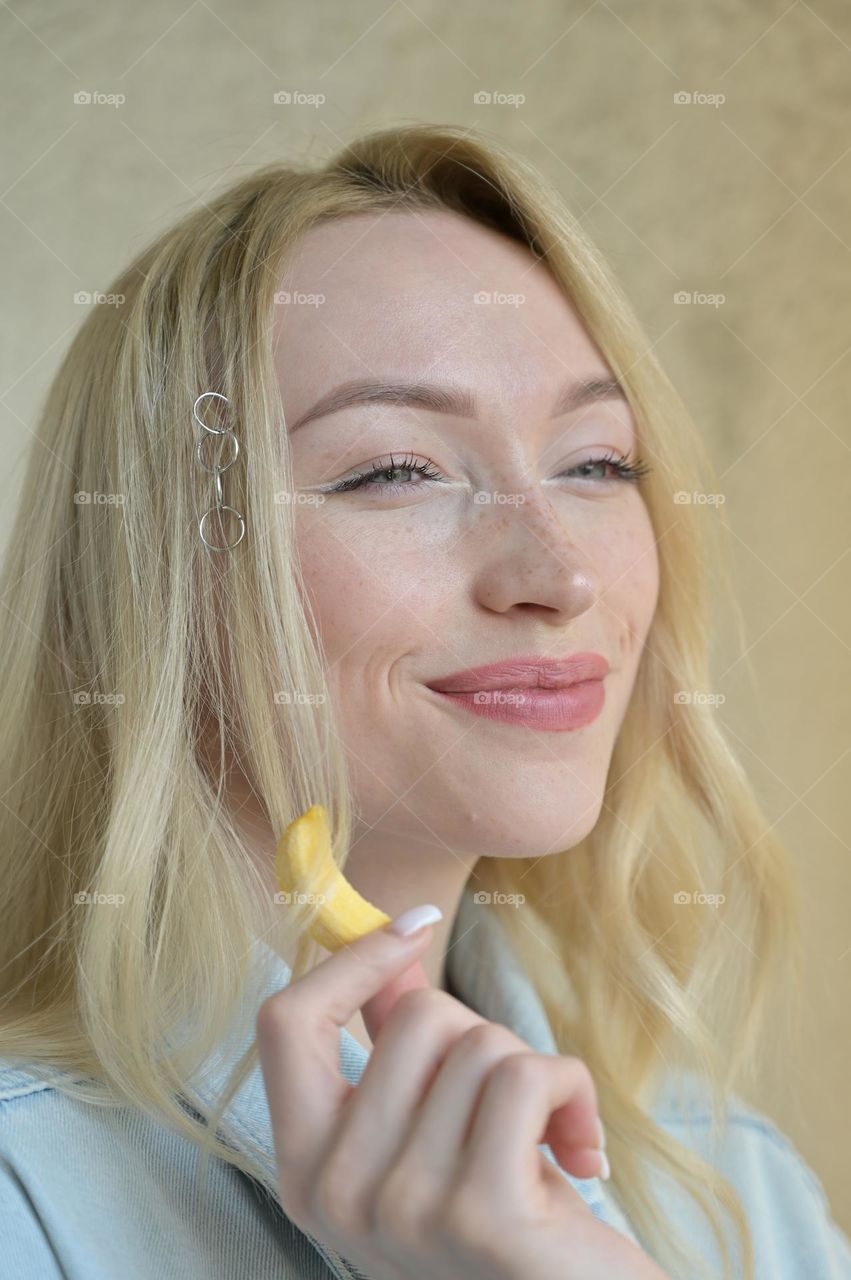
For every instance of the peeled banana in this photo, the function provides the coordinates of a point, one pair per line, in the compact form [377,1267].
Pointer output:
[304,865]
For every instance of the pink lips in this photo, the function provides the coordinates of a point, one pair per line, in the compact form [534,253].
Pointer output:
[539,693]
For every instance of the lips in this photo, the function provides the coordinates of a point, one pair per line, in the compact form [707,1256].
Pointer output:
[524,673]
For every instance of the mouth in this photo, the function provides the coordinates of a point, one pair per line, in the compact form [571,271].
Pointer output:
[537,693]
[524,673]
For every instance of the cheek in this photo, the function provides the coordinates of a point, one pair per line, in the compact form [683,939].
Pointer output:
[374,589]
[630,579]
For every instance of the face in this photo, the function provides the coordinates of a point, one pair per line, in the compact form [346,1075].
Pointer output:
[517,539]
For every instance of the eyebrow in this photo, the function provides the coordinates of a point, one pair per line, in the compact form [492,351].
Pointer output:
[447,399]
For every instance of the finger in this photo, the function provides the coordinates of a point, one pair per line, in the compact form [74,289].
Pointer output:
[298,1037]
[441,1126]
[562,1135]
[443,1123]
[407,1056]
[519,1096]
[376,1010]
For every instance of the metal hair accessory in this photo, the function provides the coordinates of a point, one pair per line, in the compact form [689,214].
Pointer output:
[216,470]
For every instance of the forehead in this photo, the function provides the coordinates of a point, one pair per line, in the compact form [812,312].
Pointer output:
[416,289]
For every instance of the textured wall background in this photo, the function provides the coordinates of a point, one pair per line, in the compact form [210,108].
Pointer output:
[746,197]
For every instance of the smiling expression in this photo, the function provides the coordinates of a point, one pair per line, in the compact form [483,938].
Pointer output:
[468,480]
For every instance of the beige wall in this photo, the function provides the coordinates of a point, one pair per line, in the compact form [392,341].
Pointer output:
[748,199]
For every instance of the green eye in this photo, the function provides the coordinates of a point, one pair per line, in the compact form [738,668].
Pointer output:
[367,479]
[623,468]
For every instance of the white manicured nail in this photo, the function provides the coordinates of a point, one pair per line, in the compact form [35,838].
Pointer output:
[415,917]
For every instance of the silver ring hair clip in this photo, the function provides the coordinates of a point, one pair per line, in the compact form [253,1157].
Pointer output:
[217,471]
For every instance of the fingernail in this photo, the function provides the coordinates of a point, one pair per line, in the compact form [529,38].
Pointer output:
[414,918]
[605,1171]
[602,1132]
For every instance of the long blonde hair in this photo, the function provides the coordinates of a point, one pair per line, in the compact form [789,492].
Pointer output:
[121,637]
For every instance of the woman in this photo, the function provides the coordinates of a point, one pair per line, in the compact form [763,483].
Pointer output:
[345,435]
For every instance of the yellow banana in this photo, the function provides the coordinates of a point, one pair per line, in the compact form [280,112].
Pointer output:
[304,864]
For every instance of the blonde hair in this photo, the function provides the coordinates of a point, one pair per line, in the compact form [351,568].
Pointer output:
[121,637]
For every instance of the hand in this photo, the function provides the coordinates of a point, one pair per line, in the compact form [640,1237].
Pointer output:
[429,1168]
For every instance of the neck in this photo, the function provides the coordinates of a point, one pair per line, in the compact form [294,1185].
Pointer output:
[393,870]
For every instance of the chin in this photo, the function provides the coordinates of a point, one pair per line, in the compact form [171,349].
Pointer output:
[497,835]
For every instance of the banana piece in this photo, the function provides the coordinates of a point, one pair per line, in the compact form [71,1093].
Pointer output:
[304,864]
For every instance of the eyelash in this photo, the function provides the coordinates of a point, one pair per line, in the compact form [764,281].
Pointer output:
[626,470]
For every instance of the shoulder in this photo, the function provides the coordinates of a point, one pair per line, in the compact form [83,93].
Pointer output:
[66,1144]
[785,1201]
[41,1105]
[28,1141]
[685,1108]
[17,1082]
[35,1105]
[110,1190]
[27,1090]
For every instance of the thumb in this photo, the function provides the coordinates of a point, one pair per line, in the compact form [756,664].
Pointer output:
[376,1009]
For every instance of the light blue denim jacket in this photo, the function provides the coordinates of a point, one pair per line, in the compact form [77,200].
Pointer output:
[97,1193]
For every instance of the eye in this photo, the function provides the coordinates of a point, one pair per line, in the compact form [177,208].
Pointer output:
[389,471]
[389,476]
[624,469]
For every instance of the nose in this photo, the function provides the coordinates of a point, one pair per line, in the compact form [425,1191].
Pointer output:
[528,557]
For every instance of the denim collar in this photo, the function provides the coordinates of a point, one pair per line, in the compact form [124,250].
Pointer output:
[481,969]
